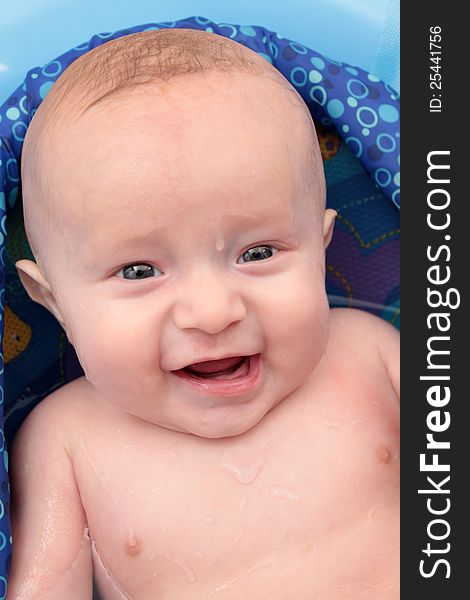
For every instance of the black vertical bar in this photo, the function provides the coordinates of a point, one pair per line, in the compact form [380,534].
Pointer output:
[435,120]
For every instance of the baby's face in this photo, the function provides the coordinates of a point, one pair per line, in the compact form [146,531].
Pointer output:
[191,234]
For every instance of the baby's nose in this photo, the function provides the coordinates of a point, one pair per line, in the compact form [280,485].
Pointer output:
[208,303]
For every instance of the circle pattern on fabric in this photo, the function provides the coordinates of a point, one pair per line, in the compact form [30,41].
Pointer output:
[388,113]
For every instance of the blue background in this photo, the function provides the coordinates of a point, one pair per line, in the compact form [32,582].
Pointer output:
[361,32]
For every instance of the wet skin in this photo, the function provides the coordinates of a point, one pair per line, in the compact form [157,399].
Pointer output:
[304,505]
[287,488]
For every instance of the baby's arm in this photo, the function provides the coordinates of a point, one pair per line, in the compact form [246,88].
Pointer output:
[51,548]
[389,348]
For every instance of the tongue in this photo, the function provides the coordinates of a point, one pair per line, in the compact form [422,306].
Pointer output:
[214,366]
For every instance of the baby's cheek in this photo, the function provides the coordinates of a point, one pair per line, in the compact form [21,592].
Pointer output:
[300,315]
[107,341]
[113,366]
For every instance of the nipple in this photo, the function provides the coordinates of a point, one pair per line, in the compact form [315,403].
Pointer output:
[132,545]
[384,456]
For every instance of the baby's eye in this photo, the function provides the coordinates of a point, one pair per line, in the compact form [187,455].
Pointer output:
[138,271]
[257,253]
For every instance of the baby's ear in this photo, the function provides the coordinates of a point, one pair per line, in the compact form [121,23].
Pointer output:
[38,287]
[328,224]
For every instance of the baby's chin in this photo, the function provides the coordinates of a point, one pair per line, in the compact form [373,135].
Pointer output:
[224,430]
[216,424]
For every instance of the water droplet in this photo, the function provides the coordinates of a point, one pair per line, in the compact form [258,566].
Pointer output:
[242,504]
[284,493]
[172,452]
[224,586]
[219,244]
[380,513]
[185,567]
[261,564]
[243,468]
[238,537]
[209,520]
[173,458]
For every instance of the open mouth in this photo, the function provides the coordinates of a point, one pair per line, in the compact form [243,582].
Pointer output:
[225,368]
[225,376]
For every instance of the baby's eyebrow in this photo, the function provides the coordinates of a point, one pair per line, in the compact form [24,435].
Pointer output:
[253,220]
[270,213]
[274,220]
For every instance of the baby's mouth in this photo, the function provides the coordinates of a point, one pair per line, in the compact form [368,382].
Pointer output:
[226,377]
[224,368]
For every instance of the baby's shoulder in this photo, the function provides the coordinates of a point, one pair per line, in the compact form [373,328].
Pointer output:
[360,329]
[57,414]
[364,341]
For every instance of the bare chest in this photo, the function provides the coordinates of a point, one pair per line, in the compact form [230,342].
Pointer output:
[187,517]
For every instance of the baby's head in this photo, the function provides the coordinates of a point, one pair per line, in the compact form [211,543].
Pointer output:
[174,200]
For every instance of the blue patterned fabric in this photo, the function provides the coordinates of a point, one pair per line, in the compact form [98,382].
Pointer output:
[357,118]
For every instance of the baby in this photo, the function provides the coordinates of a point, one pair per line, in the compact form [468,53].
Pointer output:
[232,437]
